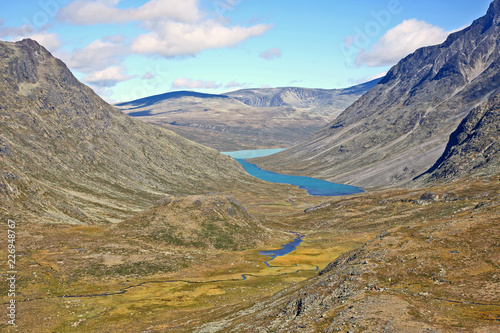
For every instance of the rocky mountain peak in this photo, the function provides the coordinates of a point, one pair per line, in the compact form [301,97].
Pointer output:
[493,14]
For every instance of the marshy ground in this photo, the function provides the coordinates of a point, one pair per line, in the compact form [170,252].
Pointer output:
[442,257]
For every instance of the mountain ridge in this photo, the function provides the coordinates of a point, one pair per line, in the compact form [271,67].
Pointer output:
[67,155]
[473,148]
[296,96]
[401,127]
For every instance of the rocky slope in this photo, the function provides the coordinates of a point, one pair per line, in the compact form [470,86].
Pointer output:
[473,149]
[246,119]
[401,127]
[66,155]
[213,221]
[437,271]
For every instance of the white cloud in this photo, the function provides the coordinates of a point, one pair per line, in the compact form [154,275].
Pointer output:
[174,27]
[186,83]
[365,79]
[169,39]
[235,84]
[378,76]
[86,12]
[24,30]
[98,55]
[48,40]
[108,77]
[271,54]
[399,42]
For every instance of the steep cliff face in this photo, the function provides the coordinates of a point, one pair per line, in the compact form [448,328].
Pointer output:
[473,149]
[400,128]
[67,155]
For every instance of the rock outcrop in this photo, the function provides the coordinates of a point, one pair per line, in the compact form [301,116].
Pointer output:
[213,221]
[473,149]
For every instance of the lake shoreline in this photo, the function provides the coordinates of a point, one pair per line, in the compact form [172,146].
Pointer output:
[313,186]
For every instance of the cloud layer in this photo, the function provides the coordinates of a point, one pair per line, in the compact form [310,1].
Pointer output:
[84,12]
[174,27]
[166,28]
[98,55]
[108,77]
[170,39]
[49,40]
[399,42]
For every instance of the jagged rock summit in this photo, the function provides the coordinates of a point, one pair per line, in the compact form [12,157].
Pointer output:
[401,127]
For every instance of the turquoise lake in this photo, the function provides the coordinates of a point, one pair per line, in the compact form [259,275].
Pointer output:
[313,186]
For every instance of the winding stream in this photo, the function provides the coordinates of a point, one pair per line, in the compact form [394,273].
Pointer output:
[285,249]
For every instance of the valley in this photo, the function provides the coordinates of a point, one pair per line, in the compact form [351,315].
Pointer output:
[246,119]
[90,278]
[384,216]
[401,127]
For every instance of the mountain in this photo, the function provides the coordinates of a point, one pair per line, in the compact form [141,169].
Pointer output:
[68,156]
[148,101]
[246,119]
[301,97]
[401,127]
[474,147]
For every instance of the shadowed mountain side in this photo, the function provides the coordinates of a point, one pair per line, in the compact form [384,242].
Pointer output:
[214,221]
[66,155]
[400,128]
[473,149]
[227,124]
[148,101]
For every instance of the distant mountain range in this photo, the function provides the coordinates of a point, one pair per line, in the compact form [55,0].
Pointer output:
[401,127]
[301,97]
[152,100]
[246,119]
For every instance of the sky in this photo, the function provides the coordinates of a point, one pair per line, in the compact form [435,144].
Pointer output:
[129,49]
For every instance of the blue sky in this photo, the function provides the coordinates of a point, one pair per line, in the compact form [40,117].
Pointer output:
[128,49]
